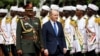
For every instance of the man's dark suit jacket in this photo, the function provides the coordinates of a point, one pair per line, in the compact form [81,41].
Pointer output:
[50,38]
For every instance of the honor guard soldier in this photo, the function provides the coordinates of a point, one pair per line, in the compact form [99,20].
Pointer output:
[44,14]
[97,50]
[68,29]
[98,45]
[97,20]
[21,12]
[35,11]
[73,13]
[6,27]
[73,23]
[54,7]
[28,34]
[61,15]
[14,20]
[81,30]
[92,30]
[10,43]
[61,12]
[3,13]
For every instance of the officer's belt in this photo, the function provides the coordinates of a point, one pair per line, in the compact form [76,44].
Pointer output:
[28,38]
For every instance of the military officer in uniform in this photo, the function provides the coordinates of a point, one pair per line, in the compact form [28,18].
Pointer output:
[44,14]
[28,34]
[92,29]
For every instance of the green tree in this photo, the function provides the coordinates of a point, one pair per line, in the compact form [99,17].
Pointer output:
[1,4]
[8,3]
[89,1]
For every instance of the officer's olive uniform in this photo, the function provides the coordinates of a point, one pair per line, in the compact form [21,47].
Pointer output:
[26,40]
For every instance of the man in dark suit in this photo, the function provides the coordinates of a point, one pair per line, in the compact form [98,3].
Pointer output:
[53,36]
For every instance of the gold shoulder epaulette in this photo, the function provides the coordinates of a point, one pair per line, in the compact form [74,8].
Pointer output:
[0,20]
[73,23]
[17,19]
[86,21]
[8,20]
[97,20]
[48,17]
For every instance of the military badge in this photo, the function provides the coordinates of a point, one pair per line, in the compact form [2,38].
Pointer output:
[36,23]
[26,23]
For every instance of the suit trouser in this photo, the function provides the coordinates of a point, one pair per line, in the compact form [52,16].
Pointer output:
[28,54]
[4,50]
[68,53]
[58,52]
[42,53]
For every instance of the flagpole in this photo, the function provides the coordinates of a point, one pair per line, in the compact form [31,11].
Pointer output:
[17,2]
[24,2]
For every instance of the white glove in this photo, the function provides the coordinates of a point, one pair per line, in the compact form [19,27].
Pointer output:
[96,50]
[72,51]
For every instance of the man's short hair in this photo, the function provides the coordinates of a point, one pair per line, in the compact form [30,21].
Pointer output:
[50,12]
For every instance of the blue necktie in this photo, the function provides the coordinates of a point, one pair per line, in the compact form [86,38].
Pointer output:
[55,28]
